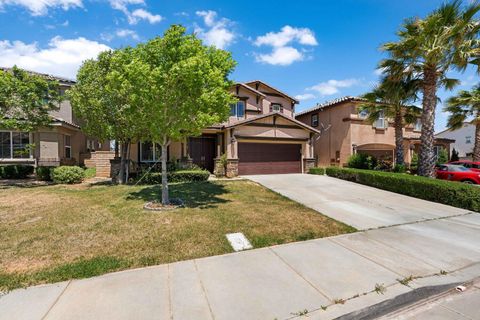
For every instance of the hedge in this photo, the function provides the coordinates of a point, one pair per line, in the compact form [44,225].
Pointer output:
[44,173]
[320,171]
[455,194]
[15,171]
[176,176]
[68,174]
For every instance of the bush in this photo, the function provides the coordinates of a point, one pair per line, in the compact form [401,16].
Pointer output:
[384,165]
[90,173]
[454,156]
[68,174]
[447,192]
[361,161]
[175,176]
[442,156]
[399,168]
[44,173]
[320,171]
[17,171]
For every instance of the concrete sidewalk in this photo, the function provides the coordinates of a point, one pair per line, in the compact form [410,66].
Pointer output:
[324,278]
[357,205]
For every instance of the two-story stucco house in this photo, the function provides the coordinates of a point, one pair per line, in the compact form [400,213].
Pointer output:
[261,136]
[464,139]
[62,143]
[346,131]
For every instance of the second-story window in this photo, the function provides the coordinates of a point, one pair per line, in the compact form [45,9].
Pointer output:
[468,139]
[314,122]
[418,125]
[276,107]
[380,123]
[237,109]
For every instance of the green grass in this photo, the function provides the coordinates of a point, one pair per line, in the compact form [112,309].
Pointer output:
[55,233]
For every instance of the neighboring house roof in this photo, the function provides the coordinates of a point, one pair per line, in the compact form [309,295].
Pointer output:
[330,103]
[274,89]
[266,115]
[250,89]
[45,75]
[60,121]
[466,123]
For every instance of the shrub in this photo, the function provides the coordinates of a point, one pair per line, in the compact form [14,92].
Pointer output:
[90,173]
[361,161]
[414,163]
[68,174]
[447,192]
[320,171]
[454,156]
[17,171]
[442,156]
[384,165]
[399,168]
[44,173]
[175,176]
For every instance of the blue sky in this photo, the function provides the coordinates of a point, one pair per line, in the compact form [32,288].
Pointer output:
[315,50]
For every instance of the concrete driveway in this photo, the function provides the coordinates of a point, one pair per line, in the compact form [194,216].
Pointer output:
[357,205]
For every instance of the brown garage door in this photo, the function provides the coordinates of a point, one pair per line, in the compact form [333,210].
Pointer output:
[268,158]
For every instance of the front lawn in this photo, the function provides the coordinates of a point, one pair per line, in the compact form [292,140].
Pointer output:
[54,233]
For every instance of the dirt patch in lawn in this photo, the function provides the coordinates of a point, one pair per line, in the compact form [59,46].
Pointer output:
[54,233]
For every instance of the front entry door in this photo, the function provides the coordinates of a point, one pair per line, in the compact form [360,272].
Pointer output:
[202,152]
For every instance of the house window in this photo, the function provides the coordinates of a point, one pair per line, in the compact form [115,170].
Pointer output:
[150,152]
[468,139]
[363,113]
[418,125]
[237,109]
[68,147]
[14,145]
[276,107]
[380,123]
[314,120]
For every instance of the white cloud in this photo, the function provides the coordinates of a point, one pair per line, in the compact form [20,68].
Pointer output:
[282,56]
[283,53]
[40,7]
[331,87]
[142,14]
[62,57]
[218,33]
[123,33]
[306,96]
[138,14]
[379,71]
[286,35]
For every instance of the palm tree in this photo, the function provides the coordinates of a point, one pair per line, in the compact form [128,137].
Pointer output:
[466,104]
[390,99]
[427,49]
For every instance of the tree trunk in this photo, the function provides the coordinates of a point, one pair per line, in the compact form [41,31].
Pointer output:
[116,149]
[426,166]
[165,199]
[476,148]
[399,160]
[123,153]
[127,162]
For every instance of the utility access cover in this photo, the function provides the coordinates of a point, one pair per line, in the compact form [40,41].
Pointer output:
[238,241]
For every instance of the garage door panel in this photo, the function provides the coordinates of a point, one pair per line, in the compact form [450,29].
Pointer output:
[269,158]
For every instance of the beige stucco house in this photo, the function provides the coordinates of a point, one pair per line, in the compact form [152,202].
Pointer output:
[62,143]
[261,136]
[346,131]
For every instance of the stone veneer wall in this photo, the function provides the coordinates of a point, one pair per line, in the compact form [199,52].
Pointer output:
[101,161]
[232,168]
[308,163]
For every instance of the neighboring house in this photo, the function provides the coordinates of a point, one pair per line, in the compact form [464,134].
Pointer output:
[345,131]
[464,139]
[62,143]
[261,136]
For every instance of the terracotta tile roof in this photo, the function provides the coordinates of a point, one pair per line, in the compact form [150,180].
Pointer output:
[330,103]
[299,123]
[275,89]
[47,76]
[62,121]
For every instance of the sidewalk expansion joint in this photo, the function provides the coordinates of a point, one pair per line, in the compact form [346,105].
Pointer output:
[56,300]
[300,275]
[203,289]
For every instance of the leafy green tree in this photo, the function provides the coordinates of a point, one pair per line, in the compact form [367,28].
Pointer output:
[390,100]
[26,99]
[107,98]
[428,48]
[464,105]
[186,89]
[454,156]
